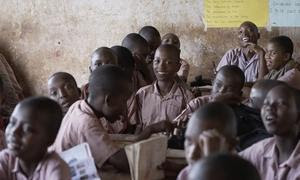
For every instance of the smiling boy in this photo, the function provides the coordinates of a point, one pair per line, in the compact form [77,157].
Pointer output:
[165,98]
[249,57]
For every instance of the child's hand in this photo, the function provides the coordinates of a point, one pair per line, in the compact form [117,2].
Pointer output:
[227,98]
[211,142]
[256,48]
[163,126]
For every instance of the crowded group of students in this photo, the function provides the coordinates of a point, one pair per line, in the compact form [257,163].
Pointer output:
[141,88]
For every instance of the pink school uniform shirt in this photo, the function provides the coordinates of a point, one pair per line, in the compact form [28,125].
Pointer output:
[263,155]
[292,78]
[50,167]
[152,107]
[237,58]
[81,125]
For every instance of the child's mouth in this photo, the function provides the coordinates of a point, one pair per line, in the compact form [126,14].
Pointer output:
[13,145]
[270,118]
[162,73]
[246,39]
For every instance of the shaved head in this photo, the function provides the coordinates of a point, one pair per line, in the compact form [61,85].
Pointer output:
[260,90]
[63,75]
[223,167]
[133,41]
[151,35]
[213,116]
[169,48]
[171,38]
[250,24]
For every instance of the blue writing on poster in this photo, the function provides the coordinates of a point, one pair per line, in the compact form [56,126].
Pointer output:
[285,13]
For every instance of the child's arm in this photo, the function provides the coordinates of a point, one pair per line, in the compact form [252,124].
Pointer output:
[262,70]
[162,126]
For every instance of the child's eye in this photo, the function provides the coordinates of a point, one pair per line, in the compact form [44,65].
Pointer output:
[282,103]
[53,93]
[98,64]
[28,129]
[218,84]
[266,103]
[273,53]
[69,86]
[156,61]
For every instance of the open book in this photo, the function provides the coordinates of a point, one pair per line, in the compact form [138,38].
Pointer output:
[145,156]
[81,162]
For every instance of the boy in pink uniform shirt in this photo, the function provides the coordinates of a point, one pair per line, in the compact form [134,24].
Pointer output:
[212,129]
[152,36]
[126,62]
[184,69]
[227,87]
[32,128]
[279,57]
[92,120]
[278,158]
[99,57]
[165,98]
[84,122]
[140,50]
[249,55]
[62,88]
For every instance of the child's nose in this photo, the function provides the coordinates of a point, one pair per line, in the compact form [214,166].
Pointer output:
[271,107]
[222,89]
[15,130]
[162,65]
[61,93]
[267,55]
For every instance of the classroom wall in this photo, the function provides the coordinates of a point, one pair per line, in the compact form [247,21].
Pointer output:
[42,37]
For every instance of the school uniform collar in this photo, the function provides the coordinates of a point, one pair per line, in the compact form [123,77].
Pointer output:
[17,167]
[292,161]
[173,92]
[244,59]
[85,107]
[290,64]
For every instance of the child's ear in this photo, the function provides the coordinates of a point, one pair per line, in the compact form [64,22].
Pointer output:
[107,99]
[287,56]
